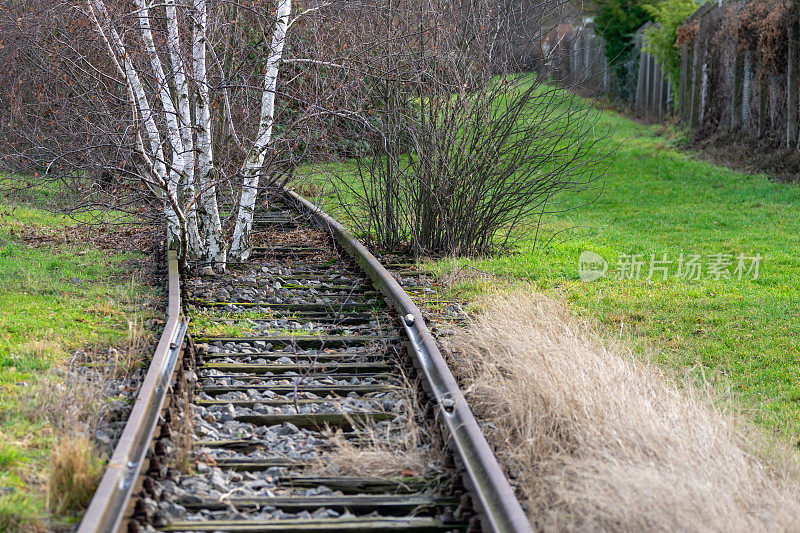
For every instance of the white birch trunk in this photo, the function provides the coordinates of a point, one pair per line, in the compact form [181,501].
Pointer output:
[176,222]
[240,245]
[214,250]
[177,167]
[185,122]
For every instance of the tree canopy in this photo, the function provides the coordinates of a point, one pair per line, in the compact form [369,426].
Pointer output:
[617,21]
[661,38]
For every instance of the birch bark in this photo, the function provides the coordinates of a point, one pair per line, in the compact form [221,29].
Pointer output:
[213,250]
[157,168]
[178,165]
[252,166]
[184,117]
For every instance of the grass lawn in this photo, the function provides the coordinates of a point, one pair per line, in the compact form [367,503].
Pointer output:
[742,335]
[55,299]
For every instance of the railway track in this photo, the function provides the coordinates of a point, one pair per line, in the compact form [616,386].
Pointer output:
[299,367]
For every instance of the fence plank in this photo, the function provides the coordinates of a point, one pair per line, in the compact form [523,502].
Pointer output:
[659,110]
[641,97]
[746,87]
[697,72]
[763,90]
[683,83]
[791,85]
[736,96]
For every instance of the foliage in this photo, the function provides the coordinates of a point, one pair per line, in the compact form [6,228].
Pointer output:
[616,21]
[759,26]
[762,27]
[661,38]
[59,297]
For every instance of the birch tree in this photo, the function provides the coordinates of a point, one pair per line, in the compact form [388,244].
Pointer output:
[177,160]
[154,167]
[254,163]
[214,249]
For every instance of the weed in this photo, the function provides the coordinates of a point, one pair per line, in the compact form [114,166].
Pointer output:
[414,451]
[10,456]
[18,512]
[598,440]
[76,469]
[46,399]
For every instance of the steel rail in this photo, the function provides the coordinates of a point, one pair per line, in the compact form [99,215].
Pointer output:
[109,504]
[501,511]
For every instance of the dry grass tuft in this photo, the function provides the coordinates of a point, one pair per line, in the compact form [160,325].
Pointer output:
[137,341]
[460,275]
[46,348]
[412,452]
[307,188]
[377,457]
[599,441]
[76,470]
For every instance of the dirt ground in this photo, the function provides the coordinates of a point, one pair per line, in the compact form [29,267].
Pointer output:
[751,154]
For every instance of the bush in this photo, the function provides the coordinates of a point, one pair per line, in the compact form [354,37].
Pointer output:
[459,153]
[459,173]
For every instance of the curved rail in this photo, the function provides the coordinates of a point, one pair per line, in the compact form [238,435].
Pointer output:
[107,508]
[501,509]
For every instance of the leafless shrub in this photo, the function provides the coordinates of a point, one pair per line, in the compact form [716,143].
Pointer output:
[599,441]
[461,149]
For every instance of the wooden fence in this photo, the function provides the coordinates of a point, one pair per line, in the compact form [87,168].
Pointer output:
[575,56]
[726,88]
[653,86]
[581,62]
[722,87]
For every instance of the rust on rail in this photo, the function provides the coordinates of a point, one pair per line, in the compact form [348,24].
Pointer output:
[107,509]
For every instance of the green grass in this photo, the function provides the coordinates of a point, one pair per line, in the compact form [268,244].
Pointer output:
[55,299]
[742,335]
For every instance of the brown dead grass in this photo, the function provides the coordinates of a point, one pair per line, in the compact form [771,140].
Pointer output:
[597,440]
[308,188]
[377,457]
[414,452]
[118,237]
[71,402]
[46,348]
[75,397]
[76,469]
